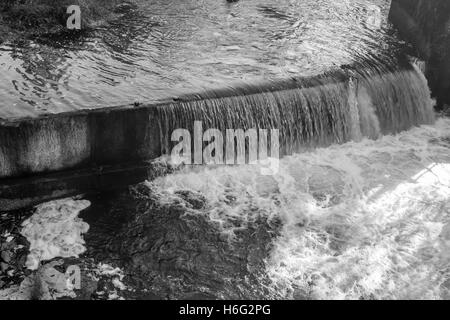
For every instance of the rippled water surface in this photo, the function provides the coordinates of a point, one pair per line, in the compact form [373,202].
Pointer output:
[165,48]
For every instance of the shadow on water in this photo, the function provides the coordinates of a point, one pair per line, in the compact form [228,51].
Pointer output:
[43,68]
[174,250]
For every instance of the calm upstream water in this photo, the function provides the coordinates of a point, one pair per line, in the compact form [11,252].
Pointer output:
[165,48]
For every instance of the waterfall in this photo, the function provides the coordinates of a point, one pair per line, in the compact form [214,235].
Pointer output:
[339,106]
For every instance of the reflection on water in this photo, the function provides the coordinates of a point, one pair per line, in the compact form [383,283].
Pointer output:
[166,48]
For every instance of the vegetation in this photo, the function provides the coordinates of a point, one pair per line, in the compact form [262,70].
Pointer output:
[41,16]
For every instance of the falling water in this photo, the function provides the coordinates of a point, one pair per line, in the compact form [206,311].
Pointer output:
[333,108]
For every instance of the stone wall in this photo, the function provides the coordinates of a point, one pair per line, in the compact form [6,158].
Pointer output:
[426,24]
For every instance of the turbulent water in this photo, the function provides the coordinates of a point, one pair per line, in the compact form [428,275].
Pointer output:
[363,220]
[165,48]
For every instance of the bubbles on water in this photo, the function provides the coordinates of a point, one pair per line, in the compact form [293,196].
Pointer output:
[55,231]
[381,241]
[364,220]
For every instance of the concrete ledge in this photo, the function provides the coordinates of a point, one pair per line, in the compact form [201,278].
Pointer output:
[89,150]
[78,140]
[108,136]
[83,151]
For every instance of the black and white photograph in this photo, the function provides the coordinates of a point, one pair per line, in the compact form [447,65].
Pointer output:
[241,152]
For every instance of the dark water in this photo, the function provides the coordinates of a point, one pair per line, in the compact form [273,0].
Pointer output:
[174,251]
[164,48]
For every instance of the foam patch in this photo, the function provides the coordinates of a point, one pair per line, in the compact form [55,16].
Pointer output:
[55,231]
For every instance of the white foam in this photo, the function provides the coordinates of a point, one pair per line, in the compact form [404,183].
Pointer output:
[55,230]
[361,220]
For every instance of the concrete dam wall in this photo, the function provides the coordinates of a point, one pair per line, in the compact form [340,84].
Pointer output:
[62,154]
[77,140]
